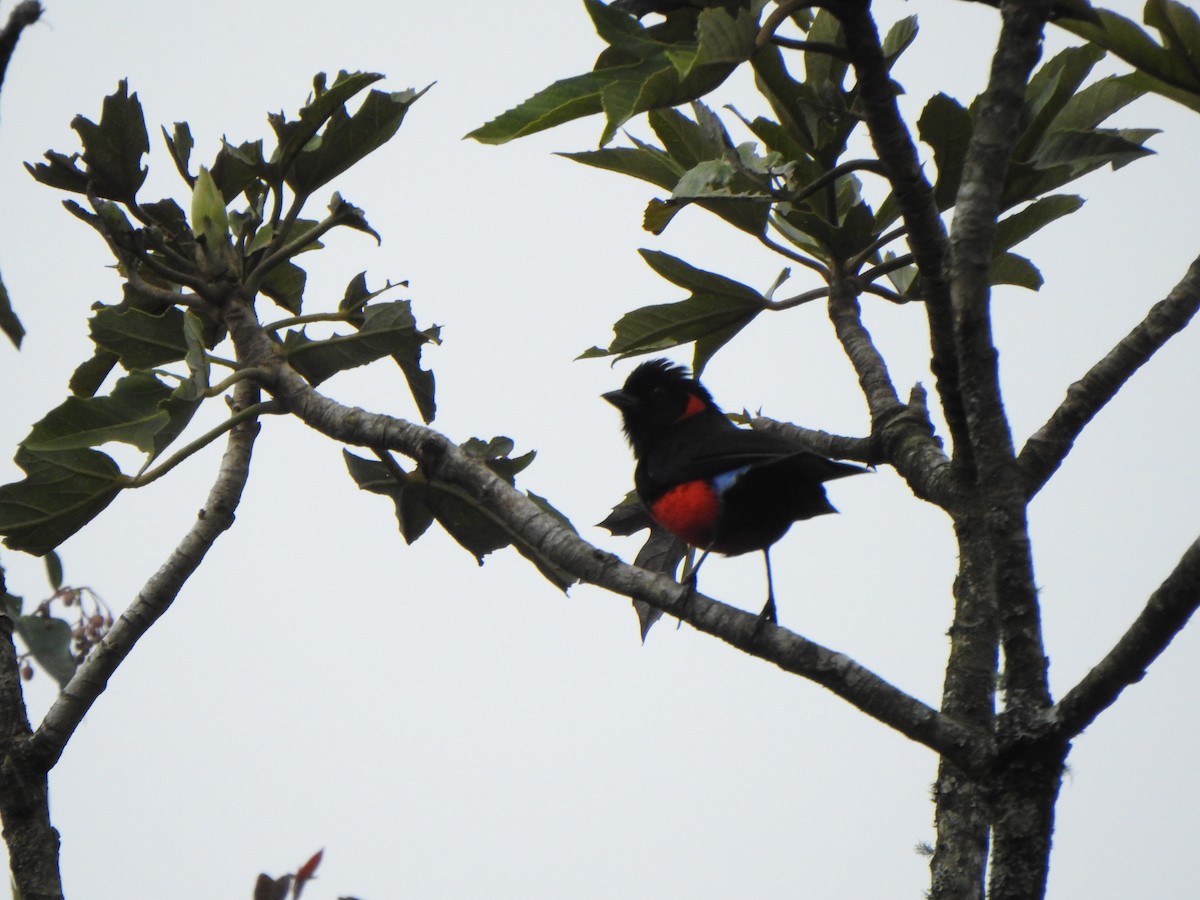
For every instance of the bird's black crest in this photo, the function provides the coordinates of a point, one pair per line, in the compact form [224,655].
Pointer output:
[662,373]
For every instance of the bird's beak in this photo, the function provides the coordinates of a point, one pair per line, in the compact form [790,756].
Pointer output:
[621,400]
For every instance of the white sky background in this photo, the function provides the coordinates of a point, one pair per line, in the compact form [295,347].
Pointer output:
[445,730]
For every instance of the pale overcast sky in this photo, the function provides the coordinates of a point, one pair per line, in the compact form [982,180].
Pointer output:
[445,730]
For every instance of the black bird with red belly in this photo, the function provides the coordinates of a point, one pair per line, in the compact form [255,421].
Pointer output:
[718,487]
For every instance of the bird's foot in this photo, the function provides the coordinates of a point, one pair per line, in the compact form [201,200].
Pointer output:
[767,615]
[689,585]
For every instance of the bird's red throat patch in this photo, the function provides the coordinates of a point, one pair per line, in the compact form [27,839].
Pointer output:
[695,406]
[689,511]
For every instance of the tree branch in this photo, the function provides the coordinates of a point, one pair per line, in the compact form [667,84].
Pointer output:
[977,207]
[1047,447]
[1165,614]
[24,792]
[22,16]
[914,197]
[156,596]
[547,537]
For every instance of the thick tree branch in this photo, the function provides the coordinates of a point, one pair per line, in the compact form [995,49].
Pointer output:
[1164,616]
[22,16]
[903,436]
[977,207]
[1046,448]
[1022,792]
[156,596]
[927,237]
[441,460]
[31,840]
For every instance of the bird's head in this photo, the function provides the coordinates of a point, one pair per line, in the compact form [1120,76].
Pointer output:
[657,395]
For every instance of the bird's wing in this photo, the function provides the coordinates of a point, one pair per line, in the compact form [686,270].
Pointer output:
[694,457]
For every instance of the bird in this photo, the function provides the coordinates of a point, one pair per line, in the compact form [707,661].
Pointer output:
[720,488]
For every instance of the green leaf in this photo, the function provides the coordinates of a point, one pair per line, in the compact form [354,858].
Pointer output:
[9,323]
[63,490]
[209,217]
[823,70]
[419,502]
[49,642]
[1170,69]
[179,146]
[1021,225]
[60,172]
[1009,268]
[54,570]
[142,340]
[351,216]
[653,75]
[645,162]
[113,150]
[723,39]
[717,309]
[346,139]
[946,126]
[293,136]
[1097,102]
[387,329]
[131,415]
[1091,149]
[236,168]
[285,285]
[90,374]
[899,38]
[1050,89]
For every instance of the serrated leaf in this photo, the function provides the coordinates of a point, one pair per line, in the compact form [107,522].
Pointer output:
[627,517]
[236,168]
[387,329]
[9,323]
[63,490]
[346,139]
[131,415]
[620,92]
[419,502]
[725,39]
[718,308]
[60,171]
[49,642]
[661,553]
[352,216]
[293,136]
[113,149]
[141,340]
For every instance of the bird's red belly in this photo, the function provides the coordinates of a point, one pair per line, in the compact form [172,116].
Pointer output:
[689,511]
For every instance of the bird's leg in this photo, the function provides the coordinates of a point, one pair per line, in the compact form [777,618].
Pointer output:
[768,611]
[689,582]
